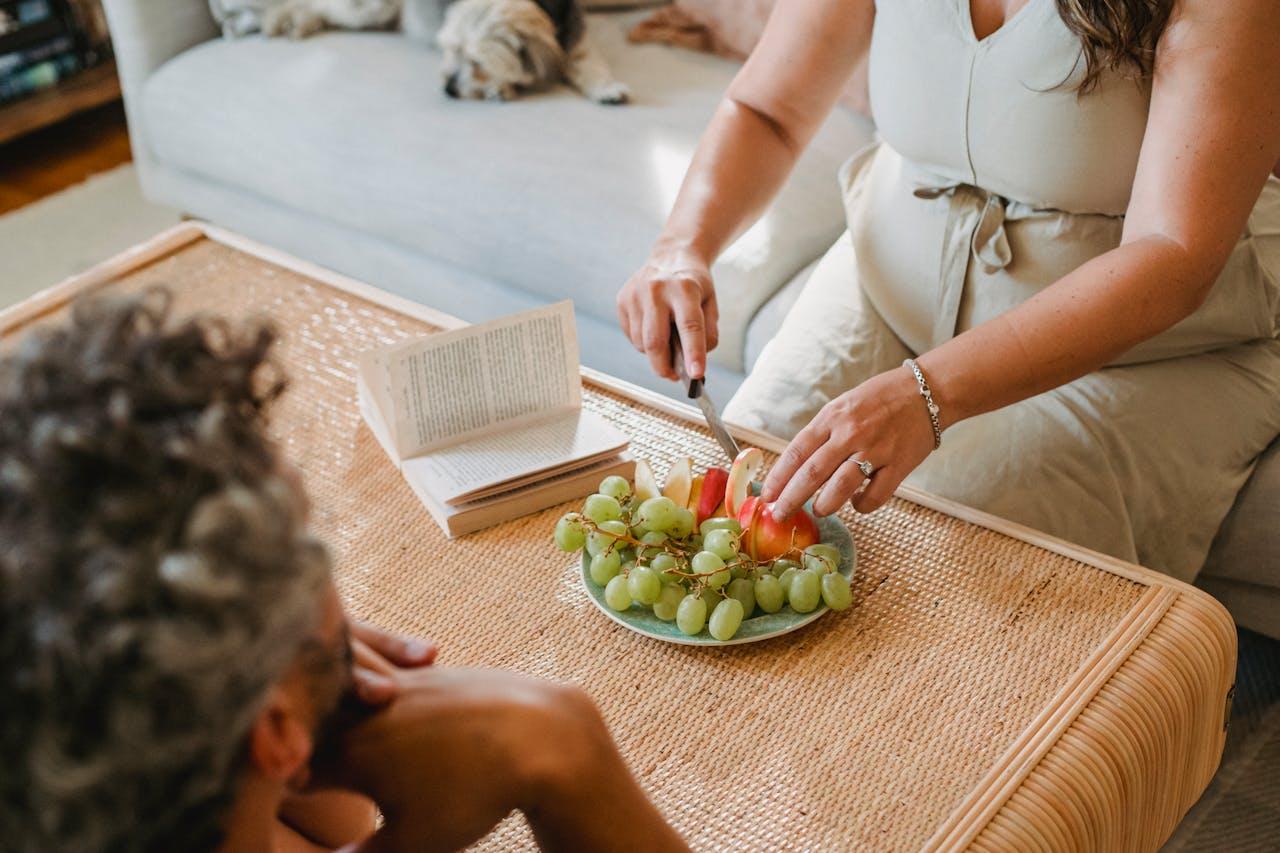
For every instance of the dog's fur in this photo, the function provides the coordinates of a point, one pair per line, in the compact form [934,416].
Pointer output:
[493,49]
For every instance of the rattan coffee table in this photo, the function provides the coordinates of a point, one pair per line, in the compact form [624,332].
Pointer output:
[991,688]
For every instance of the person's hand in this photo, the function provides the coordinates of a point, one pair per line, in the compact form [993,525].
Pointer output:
[672,288]
[475,744]
[377,655]
[883,421]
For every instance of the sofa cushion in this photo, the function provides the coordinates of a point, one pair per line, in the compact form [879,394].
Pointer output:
[552,194]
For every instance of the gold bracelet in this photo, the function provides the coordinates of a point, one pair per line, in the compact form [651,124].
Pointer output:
[923,385]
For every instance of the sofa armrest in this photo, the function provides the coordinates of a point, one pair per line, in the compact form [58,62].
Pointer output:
[145,34]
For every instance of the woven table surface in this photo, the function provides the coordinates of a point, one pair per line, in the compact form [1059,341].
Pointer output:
[866,730]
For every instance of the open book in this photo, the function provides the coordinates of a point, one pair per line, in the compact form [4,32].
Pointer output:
[486,423]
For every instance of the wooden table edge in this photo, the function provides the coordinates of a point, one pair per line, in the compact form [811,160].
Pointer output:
[1143,663]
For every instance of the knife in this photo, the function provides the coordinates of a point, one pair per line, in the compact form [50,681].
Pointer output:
[697,391]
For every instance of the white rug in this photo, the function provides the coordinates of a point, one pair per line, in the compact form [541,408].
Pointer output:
[54,238]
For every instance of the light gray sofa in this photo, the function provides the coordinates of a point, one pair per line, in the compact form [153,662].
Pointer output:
[343,150]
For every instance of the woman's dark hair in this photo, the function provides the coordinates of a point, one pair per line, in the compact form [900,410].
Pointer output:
[1117,35]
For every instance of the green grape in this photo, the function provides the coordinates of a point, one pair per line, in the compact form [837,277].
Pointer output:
[787,577]
[769,594]
[744,592]
[739,571]
[606,537]
[638,529]
[730,524]
[704,562]
[695,542]
[571,533]
[822,558]
[683,524]
[644,585]
[836,592]
[726,619]
[780,566]
[668,603]
[806,591]
[616,594]
[691,615]
[710,598]
[657,514]
[605,567]
[616,487]
[665,564]
[602,508]
[655,540]
[722,543]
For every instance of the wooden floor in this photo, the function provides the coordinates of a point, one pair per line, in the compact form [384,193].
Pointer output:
[50,160]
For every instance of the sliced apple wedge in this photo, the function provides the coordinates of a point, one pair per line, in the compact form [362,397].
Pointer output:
[711,495]
[679,482]
[741,474]
[646,484]
[695,494]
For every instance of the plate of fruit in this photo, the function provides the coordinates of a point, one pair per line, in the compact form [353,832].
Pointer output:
[702,561]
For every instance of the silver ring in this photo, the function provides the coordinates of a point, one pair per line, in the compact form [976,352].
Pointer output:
[865,467]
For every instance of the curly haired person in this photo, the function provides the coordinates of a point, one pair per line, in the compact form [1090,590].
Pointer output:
[178,673]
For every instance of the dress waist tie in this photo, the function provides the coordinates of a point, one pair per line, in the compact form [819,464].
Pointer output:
[975,228]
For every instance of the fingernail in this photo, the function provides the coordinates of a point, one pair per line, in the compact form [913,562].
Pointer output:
[417,649]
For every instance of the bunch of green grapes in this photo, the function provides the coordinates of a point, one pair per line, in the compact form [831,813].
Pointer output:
[647,554]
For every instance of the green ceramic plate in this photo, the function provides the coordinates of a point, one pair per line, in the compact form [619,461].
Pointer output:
[760,627]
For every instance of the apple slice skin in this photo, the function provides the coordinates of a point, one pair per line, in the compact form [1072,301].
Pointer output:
[711,495]
[766,538]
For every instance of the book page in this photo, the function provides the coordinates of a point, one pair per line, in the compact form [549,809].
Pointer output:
[463,469]
[477,380]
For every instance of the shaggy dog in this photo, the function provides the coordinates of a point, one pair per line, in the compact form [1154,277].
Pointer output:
[496,49]
[493,49]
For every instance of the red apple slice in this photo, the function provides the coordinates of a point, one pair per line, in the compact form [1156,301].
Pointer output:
[679,482]
[711,495]
[741,474]
[646,484]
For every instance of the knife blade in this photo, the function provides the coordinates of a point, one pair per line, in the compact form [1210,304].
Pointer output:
[697,390]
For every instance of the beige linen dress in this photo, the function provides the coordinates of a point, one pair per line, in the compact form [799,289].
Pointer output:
[993,179]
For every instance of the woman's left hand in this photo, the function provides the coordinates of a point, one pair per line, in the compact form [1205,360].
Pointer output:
[883,421]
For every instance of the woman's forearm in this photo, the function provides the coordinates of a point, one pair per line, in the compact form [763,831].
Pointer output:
[1077,325]
[742,161]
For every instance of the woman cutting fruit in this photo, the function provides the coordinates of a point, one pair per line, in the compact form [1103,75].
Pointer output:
[1064,254]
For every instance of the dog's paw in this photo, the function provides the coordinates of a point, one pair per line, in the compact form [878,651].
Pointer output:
[611,93]
[293,20]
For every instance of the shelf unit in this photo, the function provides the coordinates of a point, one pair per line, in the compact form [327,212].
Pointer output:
[90,88]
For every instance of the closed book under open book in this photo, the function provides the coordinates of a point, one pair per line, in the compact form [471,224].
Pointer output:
[486,423]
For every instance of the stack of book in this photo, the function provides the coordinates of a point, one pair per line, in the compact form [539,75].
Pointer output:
[486,422]
[39,46]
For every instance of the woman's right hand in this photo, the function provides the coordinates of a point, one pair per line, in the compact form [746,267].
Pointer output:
[672,290]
